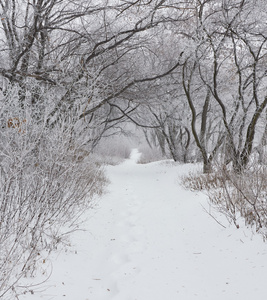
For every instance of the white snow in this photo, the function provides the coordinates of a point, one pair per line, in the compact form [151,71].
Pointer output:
[149,239]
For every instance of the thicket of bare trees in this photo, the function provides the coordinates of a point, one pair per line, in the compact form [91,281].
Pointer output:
[222,78]
[191,74]
[70,75]
[113,61]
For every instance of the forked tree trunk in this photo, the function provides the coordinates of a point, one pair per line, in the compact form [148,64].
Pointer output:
[207,167]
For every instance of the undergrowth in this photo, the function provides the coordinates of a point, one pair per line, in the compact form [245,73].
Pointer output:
[46,183]
[235,194]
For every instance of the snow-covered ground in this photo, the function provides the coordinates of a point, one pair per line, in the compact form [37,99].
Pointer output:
[149,239]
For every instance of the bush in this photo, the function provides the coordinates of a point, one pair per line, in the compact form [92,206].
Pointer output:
[46,182]
[202,182]
[236,194]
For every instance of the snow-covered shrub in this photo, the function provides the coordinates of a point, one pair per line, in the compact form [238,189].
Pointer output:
[46,181]
[236,194]
[201,182]
[245,194]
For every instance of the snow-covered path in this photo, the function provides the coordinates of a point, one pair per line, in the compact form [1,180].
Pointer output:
[149,239]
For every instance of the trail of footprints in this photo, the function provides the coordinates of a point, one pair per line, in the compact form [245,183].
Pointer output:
[129,243]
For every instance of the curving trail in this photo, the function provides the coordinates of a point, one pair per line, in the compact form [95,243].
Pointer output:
[149,239]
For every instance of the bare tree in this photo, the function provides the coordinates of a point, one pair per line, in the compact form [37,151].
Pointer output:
[235,49]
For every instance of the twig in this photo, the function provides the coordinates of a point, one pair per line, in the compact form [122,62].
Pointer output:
[212,216]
